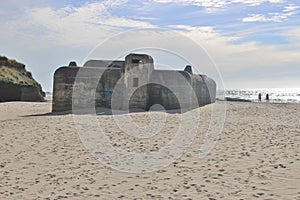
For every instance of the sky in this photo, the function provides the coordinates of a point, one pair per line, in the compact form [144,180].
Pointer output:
[240,43]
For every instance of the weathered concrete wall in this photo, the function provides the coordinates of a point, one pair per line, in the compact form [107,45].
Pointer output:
[106,87]
[205,89]
[89,87]
[163,96]
[212,88]
[64,78]
[137,71]
[104,63]
[174,88]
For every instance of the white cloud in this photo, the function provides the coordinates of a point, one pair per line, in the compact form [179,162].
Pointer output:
[255,18]
[236,60]
[113,3]
[85,25]
[209,5]
[294,34]
[290,7]
[257,2]
[213,5]
[203,29]
[232,56]
[273,17]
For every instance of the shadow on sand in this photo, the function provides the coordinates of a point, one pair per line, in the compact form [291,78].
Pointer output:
[104,111]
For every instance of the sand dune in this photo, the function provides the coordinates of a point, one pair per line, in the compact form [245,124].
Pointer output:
[256,157]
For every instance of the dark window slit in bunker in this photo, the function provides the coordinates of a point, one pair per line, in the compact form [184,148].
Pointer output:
[136,61]
[135,82]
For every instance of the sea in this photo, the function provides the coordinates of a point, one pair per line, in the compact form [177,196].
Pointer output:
[276,95]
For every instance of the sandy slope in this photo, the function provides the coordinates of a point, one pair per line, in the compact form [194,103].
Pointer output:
[256,157]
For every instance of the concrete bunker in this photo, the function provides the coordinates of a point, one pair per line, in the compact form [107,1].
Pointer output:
[132,83]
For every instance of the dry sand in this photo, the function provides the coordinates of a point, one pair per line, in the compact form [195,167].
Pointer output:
[256,157]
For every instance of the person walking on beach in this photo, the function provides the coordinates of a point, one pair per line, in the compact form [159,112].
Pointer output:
[259,97]
[267,97]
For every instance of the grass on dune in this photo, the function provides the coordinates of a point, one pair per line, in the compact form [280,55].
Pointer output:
[10,75]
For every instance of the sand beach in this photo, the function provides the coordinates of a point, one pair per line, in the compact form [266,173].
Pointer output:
[256,157]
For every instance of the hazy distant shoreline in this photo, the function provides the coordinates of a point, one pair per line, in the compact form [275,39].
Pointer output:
[277,95]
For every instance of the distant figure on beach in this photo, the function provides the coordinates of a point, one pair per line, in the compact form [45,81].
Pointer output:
[267,97]
[259,97]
